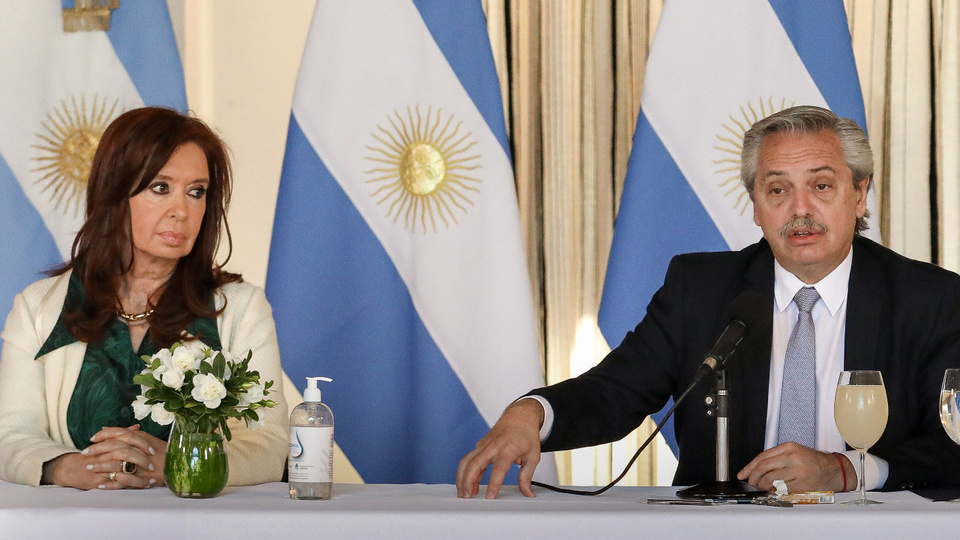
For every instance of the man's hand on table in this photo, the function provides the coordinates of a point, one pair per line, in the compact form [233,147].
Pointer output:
[515,438]
[802,468]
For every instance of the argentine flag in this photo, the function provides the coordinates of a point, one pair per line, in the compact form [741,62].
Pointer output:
[714,69]
[396,265]
[58,92]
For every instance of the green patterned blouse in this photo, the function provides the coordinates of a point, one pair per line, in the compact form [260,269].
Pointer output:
[105,390]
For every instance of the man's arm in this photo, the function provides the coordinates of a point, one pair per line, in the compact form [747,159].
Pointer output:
[515,438]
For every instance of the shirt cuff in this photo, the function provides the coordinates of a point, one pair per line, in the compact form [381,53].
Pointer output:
[547,416]
[875,470]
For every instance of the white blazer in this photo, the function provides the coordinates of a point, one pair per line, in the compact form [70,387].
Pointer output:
[35,393]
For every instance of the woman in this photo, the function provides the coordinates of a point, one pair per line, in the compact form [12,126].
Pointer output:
[142,276]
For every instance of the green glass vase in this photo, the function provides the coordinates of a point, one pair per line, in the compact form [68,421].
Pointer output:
[196,464]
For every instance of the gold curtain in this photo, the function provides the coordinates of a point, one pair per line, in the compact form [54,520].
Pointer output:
[572,71]
[908,55]
[946,121]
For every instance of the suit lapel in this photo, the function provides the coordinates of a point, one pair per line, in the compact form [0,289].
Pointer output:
[865,299]
[754,354]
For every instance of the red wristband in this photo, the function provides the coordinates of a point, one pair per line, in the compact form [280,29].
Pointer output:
[842,470]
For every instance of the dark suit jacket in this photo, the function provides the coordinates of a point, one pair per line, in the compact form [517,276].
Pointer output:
[903,318]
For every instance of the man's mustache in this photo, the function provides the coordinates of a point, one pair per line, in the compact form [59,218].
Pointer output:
[805,222]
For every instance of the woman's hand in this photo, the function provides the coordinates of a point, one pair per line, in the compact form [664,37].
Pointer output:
[113,446]
[101,465]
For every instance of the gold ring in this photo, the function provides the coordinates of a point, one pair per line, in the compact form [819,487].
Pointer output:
[128,467]
[112,476]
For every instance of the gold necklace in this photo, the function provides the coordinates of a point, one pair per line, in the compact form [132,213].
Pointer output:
[136,317]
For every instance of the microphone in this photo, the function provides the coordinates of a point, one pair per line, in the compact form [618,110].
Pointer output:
[745,308]
[748,311]
[725,345]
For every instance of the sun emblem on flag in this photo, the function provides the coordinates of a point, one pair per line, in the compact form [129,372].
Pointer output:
[730,144]
[67,144]
[423,177]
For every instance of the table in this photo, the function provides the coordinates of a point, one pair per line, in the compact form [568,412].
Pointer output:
[433,511]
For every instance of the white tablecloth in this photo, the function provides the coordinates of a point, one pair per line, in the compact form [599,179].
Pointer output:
[434,511]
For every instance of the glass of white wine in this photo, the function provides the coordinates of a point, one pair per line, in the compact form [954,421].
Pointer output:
[950,406]
[950,403]
[860,410]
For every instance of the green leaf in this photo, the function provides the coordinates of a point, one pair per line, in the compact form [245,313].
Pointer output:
[173,403]
[146,380]
[225,430]
[219,366]
[229,401]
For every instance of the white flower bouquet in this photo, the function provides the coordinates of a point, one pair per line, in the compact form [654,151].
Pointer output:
[200,388]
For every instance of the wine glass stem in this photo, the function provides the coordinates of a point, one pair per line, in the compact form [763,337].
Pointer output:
[860,481]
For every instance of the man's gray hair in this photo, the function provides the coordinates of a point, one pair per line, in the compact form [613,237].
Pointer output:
[809,119]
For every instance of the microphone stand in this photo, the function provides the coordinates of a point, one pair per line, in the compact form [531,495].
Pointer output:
[718,404]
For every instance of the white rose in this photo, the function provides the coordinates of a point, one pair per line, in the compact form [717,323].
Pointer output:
[198,347]
[172,377]
[252,395]
[208,390]
[160,415]
[140,408]
[186,358]
[162,355]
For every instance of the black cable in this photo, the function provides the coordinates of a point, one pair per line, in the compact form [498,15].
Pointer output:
[646,443]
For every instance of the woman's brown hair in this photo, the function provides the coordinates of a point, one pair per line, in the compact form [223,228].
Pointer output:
[131,152]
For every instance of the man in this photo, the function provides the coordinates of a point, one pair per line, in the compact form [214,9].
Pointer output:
[807,172]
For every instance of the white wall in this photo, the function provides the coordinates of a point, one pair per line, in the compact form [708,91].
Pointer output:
[240,60]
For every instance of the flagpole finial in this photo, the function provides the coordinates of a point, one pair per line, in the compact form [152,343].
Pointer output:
[89,15]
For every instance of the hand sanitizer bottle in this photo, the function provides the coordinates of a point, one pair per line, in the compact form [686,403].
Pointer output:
[310,468]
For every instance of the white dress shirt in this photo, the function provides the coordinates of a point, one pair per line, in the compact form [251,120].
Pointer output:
[829,319]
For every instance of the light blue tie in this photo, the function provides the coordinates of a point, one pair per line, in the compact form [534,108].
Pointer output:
[798,397]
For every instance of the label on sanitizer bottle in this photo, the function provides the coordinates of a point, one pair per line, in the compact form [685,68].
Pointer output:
[311,454]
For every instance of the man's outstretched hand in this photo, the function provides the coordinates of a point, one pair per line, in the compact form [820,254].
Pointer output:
[515,438]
